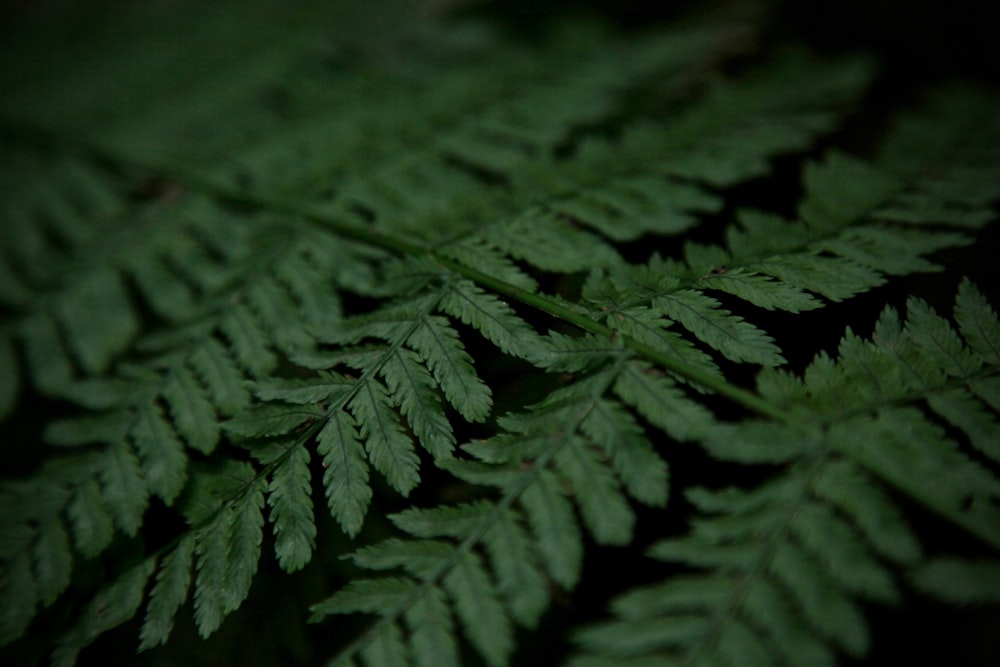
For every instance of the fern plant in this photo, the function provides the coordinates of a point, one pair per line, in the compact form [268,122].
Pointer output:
[413,319]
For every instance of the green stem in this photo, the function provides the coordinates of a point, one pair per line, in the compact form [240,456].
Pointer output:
[371,236]
[555,309]
[541,302]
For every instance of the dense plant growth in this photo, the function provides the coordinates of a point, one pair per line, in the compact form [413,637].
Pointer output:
[392,320]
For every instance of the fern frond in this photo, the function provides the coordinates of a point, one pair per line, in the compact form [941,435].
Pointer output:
[767,557]
[161,452]
[733,337]
[423,361]
[291,507]
[544,234]
[491,317]
[575,442]
[167,595]
[413,389]
[89,519]
[465,590]
[346,475]
[806,542]
[263,258]
[474,252]
[452,367]
[152,413]
[36,554]
[389,447]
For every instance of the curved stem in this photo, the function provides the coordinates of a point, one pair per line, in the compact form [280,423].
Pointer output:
[371,236]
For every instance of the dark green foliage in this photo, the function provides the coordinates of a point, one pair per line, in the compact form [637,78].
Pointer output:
[428,317]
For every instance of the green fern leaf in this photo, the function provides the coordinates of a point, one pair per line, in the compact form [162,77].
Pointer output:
[520,578]
[123,489]
[869,510]
[483,618]
[834,544]
[811,542]
[977,322]
[211,548]
[603,506]
[365,595]
[740,122]
[836,279]
[476,253]
[248,341]
[477,602]
[860,189]
[658,399]
[52,561]
[569,354]
[224,505]
[927,463]
[270,420]
[760,290]
[451,521]
[169,297]
[543,239]
[51,368]
[207,311]
[629,209]
[432,632]
[832,613]
[345,475]
[327,387]
[492,318]
[625,640]
[35,554]
[756,442]
[767,604]
[387,649]
[419,558]
[620,301]
[555,530]
[161,453]
[90,519]
[507,544]
[413,389]
[670,615]
[962,410]
[648,326]
[736,339]
[244,543]
[938,341]
[99,319]
[389,447]
[291,508]
[167,595]
[642,472]
[220,376]
[106,427]
[452,368]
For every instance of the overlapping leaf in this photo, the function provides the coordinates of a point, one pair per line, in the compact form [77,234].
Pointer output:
[181,281]
[817,540]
